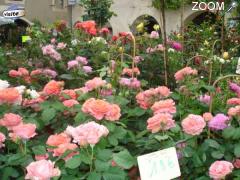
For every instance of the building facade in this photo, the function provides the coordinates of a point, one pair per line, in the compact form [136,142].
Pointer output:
[128,12]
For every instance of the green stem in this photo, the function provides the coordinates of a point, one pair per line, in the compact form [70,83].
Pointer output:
[91,165]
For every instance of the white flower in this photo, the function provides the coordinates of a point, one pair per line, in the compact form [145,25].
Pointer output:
[98,39]
[221,60]
[171,50]
[34,94]
[4,84]
[74,42]
[21,89]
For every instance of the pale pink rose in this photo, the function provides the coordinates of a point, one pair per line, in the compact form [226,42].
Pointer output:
[42,170]
[114,113]
[48,50]
[220,169]
[23,131]
[62,148]
[95,83]
[160,47]
[41,157]
[164,106]
[2,139]
[58,139]
[50,73]
[207,116]
[160,122]
[181,74]
[206,99]
[154,35]
[87,69]
[233,101]
[61,45]
[73,64]
[53,41]
[10,120]
[88,133]
[234,111]
[193,124]
[70,103]
[82,60]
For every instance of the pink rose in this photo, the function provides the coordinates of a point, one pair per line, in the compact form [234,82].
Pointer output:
[181,74]
[58,139]
[73,64]
[207,116]
[23,131]
[42,170]
[2,139]
[164,106]
[14,73]
[193,124]
[62,148]
[10,120]
[61,45]
[220,169]
[70,103]
[95,83]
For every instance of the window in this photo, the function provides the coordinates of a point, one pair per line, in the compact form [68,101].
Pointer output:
[59,5]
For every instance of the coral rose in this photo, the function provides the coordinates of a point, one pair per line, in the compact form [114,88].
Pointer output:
[58,139]
[10,96]
[233,101]
[160,122]
[23,131]
[53,88]
[42,170]
[220,169]
[193,124]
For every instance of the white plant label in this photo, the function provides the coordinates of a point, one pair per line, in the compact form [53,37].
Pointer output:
[160,165]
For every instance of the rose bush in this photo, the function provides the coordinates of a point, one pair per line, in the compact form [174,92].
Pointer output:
[84,105]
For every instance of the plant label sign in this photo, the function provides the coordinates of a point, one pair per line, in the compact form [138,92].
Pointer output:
[160,165]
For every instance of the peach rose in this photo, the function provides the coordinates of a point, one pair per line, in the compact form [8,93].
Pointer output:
[96,108]
[53,88]
[234,111]
[62,148]
[58,139]
[10,96]
[10,120]
[2,139]
[36,72]
[42,170]
[181,74]
[160,122]
[220,169]
[193,124]
[114,113]
[23,131]
[23,71]
[163,91]
[95,83]
[207,116]
[164,106]
[68,94]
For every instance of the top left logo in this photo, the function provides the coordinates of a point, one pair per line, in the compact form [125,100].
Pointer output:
[14,12]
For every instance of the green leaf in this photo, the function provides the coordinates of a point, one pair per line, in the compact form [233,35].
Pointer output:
[84,157]
[94,176]
[104,154]
[101,166]
[237,150]
[217,154]
[9,172]
[124,159]
[39,150]
[67,76]
[112,140]
[136,112]
[80,117]
[120,132]
[48,115]
[161,138]
[228,132]
[212,143]
[114,173]
[74,162]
